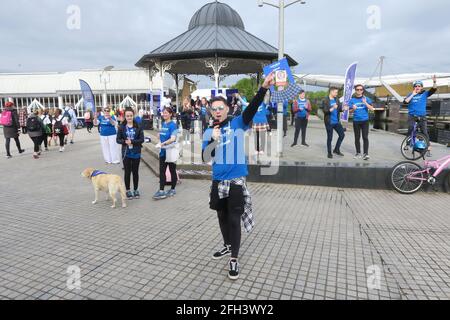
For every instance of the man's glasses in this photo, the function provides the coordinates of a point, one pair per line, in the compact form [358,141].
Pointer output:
[220,108]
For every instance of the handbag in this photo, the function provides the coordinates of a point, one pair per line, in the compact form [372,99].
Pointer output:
[172,153]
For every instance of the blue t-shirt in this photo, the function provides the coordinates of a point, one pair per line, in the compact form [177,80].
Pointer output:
[230,161]
[334,117]
[362,112]
[106,128]
[203,111]
[132,153]
[418,105]
[168,130]
[261,116]
[302,105]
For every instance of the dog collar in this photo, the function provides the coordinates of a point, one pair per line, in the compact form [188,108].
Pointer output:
[97,173]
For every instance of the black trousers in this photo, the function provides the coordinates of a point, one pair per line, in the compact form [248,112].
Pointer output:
[61,139]
[361,127]
[261,137]
[301,124]
[8,144]
[229,212]
[340,131]
[89,126]
[162,173]
[37,141]
[131,166]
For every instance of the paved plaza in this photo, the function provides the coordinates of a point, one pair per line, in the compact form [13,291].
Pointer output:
[309,242]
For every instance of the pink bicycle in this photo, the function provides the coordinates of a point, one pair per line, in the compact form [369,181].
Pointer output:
[408,177]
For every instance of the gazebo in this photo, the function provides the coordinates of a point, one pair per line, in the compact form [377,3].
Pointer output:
[216,44]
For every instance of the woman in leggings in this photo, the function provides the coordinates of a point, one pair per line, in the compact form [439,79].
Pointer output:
[131,137]
[168,135]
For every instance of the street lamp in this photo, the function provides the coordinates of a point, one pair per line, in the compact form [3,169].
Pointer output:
[280,5]
[105,81]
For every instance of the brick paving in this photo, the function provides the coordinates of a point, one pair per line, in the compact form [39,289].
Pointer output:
[309,243]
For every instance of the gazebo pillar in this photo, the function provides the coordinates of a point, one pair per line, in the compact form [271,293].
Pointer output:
[217,65]
[177,86]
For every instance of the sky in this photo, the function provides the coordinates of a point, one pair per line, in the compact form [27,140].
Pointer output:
[324,36]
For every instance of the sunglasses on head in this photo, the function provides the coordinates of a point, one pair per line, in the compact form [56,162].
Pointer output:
[220,108]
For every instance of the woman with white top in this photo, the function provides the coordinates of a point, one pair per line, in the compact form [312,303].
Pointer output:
[46,120]
[60,128]
[108,136]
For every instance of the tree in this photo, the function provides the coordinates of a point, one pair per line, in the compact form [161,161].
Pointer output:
[247,87]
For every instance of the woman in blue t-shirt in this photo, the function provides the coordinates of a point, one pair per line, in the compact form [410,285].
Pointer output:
[108,135]
[261,125]
[167,136]
[360,105]
[131,138]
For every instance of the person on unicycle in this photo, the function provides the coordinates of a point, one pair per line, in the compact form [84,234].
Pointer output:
[417,107]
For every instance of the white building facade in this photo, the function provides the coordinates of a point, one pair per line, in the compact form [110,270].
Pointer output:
[63,89]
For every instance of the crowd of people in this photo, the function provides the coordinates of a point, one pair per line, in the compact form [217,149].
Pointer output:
[122,137]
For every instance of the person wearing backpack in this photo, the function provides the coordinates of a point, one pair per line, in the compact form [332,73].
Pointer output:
[35,129]
[73,122]
[59,128]
[47,122]
[9,119]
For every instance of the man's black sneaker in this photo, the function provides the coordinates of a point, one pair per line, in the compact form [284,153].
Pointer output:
[226,251]
[233,274]
[338,153]
[293,145]
[130,195]
[21,151]
[305,145]
[330,156]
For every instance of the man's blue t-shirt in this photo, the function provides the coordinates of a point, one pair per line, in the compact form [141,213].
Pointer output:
[362,112]
[106,128]
[132,153]
[302,105]
[418,105]
[168,130]
[203,111]
[261,115]
[230,161]
[334,118]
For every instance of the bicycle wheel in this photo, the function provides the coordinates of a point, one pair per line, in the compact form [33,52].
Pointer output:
[409,152]
[401,174]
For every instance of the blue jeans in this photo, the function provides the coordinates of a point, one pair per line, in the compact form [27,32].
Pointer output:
[340,131]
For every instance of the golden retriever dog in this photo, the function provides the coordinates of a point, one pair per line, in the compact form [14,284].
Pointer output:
[111,184]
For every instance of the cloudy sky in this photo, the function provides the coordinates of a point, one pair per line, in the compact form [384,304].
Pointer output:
[325,36]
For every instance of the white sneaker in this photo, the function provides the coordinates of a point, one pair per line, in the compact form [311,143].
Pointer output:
[358,156]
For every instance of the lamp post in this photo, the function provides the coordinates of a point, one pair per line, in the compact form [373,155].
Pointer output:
[280,5]
[105,80]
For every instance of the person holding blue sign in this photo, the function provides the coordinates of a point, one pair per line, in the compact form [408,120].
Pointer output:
[224,146]
[360,105]
[332,108]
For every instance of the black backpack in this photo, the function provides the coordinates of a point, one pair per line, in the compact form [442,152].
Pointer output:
[58,126]
[33,124]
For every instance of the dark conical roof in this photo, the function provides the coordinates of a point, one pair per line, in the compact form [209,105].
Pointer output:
[216,13]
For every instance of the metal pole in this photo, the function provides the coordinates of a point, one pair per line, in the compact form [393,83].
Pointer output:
[280,113]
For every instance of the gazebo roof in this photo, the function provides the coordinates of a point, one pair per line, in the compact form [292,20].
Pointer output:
[215,31]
